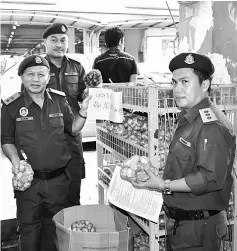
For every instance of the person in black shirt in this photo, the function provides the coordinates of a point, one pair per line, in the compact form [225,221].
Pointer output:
[67,75]
[115,65]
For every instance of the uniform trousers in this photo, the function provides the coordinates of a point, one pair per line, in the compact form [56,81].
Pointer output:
[74,167]
[36,207]
[197,235]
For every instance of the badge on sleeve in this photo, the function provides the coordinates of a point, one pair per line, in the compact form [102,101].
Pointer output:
[207,115]
[23,111]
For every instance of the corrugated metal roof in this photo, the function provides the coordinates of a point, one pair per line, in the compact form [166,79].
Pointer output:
[32,17]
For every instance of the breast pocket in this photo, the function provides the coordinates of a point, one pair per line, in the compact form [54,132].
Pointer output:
[72,84]
[182,156]
[178,162]
[56,121]
[26,132]
[25,125]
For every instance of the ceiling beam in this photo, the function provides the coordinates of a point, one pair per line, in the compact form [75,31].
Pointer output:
[148,8]
[47,15]
[155,24]
[170,25]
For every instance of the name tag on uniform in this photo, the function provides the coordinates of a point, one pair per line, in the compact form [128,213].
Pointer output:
[53,115]
[70,73]
[52,74]
[184,142]
[24,118]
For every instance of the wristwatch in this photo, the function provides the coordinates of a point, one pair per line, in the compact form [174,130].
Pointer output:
[167,187]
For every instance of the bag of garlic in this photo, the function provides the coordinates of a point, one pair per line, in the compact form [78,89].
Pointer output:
[22,176]
[133,169]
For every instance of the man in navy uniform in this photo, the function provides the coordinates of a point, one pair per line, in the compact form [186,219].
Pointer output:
[197,179]
[35,121]
[116,65]
[67,75]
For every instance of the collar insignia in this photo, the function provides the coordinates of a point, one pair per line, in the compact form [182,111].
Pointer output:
[189,59]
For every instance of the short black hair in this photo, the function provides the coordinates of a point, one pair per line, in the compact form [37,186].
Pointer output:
[112,36]
[201,77]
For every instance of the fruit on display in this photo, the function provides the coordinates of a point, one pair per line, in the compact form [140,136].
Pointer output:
[226,246]
[22,176]
[93,78]
[162,246]
[133,169]
[82,226]
[141,241]
[135,129]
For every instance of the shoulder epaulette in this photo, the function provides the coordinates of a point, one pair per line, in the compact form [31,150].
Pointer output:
[207,115]
[12,98]
[75,60]
[57,92]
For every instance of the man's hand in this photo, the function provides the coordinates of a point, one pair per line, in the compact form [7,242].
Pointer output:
[84,105]
[154,182]
[15,167]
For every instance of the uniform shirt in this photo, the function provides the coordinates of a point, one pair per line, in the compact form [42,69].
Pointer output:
[115,65]
[202,153]
[39,132]
[69,78]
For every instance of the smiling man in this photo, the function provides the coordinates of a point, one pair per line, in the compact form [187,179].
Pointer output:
[67,75]
[197,179]
[36,121]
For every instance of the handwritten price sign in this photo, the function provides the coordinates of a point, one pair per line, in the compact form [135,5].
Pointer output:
[105,105]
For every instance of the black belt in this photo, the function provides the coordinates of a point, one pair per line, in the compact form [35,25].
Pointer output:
[182,215]
[46,175]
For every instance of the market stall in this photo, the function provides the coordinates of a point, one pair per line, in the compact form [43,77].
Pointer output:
[147,129]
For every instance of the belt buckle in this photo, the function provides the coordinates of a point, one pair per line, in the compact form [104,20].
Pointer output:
[205,214]
[199,215]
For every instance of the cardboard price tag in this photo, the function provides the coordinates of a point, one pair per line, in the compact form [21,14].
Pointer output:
[105,105]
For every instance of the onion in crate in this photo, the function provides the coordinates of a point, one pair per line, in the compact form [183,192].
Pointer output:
[82,226]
